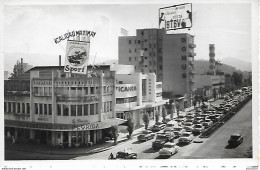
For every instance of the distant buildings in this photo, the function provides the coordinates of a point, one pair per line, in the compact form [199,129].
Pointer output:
[6,75]
[19,68]
[169,56]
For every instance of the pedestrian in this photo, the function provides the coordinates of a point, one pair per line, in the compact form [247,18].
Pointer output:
[177,105]
[111,156]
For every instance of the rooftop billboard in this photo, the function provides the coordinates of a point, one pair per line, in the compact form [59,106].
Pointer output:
[175,17]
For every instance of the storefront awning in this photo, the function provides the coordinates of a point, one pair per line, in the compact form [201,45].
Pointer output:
[65,127]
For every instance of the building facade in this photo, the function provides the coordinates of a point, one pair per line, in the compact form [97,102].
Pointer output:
[169,56]
[136,93]
[46,105]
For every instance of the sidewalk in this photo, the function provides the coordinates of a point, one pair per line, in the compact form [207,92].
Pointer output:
[54,150]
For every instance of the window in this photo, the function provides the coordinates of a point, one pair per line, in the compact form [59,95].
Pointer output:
[92,90]
[41,109]
[184,57]
[183,66]
[145,57]
[183,48]
[9,107]
[65,110]
[85,109]
[130,50]
[130,59]
[58,109]
[86,90]
[92,109]
[139,41]
[35,108]
[110,103]
[50,109]
[142,33]
[145,49]
[160,67]
[135,49]
[160,50]
[184,75]
[79,110]
[73,110]
[96,108]
[105,107]
[5,106]
[108,107]
[130,41]
[183,40]
[45,109]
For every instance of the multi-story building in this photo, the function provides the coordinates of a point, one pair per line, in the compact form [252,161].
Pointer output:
[169,56]
[136,93]
[46,105]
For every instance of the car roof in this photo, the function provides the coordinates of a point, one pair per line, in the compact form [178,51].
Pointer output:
[170,143]
[235,134]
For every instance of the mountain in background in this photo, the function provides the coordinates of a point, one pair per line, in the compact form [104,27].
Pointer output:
[237,63]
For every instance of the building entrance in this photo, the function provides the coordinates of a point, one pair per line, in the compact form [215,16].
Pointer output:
[43,137]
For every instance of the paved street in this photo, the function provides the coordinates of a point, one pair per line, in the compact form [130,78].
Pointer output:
[213,147]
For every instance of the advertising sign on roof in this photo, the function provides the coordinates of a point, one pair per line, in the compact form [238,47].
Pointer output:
[175,17]
[76,58]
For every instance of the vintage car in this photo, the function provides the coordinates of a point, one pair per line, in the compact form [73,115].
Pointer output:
[168,149]
[126,154]
[180,118]
[178,131]
[197,129]
[185,138]
[207,123]
[160,140]
[188,126]
[145,135]
[235,139]
[158,127]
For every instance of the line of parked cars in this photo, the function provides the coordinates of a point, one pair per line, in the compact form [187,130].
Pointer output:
[185,127]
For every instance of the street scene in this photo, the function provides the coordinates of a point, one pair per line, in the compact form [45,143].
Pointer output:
[172,84]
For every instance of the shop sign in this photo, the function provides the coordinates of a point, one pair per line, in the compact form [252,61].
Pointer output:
[126,88]
[73,34]
[76,58]
[90,126]
[175,17]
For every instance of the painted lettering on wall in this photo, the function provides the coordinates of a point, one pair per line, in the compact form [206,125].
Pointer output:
[126,88]
[87,127]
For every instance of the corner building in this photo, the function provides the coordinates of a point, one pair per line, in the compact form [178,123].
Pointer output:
[49,106]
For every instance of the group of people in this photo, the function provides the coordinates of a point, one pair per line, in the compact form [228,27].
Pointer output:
[171,107]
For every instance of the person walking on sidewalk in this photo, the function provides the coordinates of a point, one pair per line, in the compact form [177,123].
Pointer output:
[177,105]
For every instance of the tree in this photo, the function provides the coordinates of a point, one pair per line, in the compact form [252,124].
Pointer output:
[114,130]
[130,127]
[164,113]
[237,78]
[146,119]
[156,117]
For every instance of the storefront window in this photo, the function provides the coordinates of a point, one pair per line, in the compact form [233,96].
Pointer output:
[73,137]
[80,139]
[18,108]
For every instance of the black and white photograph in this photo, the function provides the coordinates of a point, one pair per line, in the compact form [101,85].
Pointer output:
[152,84]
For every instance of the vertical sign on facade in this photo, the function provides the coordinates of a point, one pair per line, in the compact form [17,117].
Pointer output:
[77,55]
[175,17]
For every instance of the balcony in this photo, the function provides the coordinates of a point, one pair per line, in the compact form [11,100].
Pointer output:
[192,45]
[192,71]
[191,62]
[191,79]
[192,54]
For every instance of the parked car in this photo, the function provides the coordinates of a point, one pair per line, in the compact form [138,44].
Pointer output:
[185,138]
[180,118]
[198,120]
[188,126]
[235,139]
[207,123]
[198,128]
[168,149]
[156,128]
[178,131]
[126,154]
[145,135]
[160,140]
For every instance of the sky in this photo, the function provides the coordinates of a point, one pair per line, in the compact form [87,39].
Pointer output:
[29,30]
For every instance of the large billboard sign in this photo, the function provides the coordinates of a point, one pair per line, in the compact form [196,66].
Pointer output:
[76,58]
[175,17]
